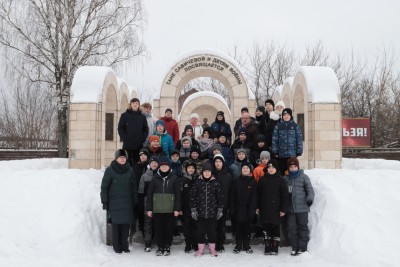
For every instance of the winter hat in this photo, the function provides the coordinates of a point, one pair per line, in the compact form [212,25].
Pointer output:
[241,150]
[153,138]
[164,161]
[220,113]
[194,149]
[293,161]
[246,163]
[260,138]
[280,103]
[194,115]
[144,151]
[222,134]
[186,138]
[216,146]
[175,151]
[206,166]
[190,163]
[244,109]
[120,153]
[261,108]
[160,122]
[274,163]
[243,131]
[135,100]
[270,101]
[219,156]
[168,109]
[208,130]
[154,158]
[265,154]
[287,111]
[187,127]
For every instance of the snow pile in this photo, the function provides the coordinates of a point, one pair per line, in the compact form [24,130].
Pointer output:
[51,216]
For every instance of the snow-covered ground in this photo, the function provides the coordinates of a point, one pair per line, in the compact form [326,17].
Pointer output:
[52,216]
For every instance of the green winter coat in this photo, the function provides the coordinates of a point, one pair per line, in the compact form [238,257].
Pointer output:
[119,190]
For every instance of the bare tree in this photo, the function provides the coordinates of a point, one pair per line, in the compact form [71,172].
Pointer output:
[48,40]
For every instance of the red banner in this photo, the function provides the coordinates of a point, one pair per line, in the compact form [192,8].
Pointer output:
[356,132]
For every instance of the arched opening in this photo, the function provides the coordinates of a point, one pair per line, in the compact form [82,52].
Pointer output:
[110,123]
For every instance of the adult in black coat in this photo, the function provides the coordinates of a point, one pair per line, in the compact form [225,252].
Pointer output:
[243,207]
[133,130]
[224,177]
[273,204]
[119,195]
[220,126]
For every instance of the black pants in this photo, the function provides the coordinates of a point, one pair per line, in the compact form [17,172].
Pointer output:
[190,231]
[283,165]
[133,156]
[120,233]
[243,230]
[298,231]
[209,227]
[271,231]
[221,230]
[148,229]
[164,228]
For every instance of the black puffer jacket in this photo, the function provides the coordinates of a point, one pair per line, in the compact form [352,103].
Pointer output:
[244,199]
[206,196]
[187,185]
[273,197]
[132,129]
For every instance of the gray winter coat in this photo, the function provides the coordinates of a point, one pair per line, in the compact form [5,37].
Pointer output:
[300,191]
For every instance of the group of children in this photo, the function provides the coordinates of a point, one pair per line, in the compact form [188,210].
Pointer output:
[204,196]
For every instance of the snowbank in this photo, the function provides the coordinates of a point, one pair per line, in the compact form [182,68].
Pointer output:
[51,216]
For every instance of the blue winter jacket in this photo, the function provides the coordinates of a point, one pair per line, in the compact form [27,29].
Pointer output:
[166,142]
[287,140]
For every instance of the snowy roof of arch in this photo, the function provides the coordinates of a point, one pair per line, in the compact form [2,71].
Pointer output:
[88,82]
[210,51]
[322,84]
[204,94]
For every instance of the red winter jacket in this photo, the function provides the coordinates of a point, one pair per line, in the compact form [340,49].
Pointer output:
[172,128]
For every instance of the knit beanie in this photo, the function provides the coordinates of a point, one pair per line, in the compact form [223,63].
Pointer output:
[191,163]
[261,108]
[153,138]
[195,149]
[160,122]
[216,146]
[120,153]
[260,138]
[273,163]
[206,166]
[154,158]
[144,151]
[188,138]
[270,101]
[287,111]
[280,103]
[219,156]
[164,161]
[265,154]
[293,161]
[241,150]
[246,163]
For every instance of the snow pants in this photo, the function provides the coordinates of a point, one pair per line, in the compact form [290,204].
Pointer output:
[298,231]
[164,229]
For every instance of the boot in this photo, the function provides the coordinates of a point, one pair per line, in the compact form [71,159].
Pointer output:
[275,247]
[238,247]
[211,247]
[200,251]
[246,246]
[267,250]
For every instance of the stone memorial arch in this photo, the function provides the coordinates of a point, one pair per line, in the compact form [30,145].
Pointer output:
[314,95]
[98,98]
[198,64]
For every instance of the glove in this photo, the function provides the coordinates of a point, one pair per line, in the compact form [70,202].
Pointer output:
[194,214]
[309,203]
[105,206]
[298,154]
[220,213]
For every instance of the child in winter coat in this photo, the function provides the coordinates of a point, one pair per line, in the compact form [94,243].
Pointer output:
[207,203]
[119,195]
[189,225]
[273,204]
[205,142]
[236,167]
[243,207]
[143,189]
[287,140]
[301,194]
[166,141]
[258,147]
[184,151]
[176,164]
[139,168]
[163,204]
[154,147]
[225,180]
[262,164]
[195,156]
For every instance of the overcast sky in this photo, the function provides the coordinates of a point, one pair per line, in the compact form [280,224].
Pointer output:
[177,26]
